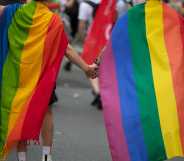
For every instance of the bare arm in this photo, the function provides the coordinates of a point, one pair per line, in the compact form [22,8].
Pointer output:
[71,54]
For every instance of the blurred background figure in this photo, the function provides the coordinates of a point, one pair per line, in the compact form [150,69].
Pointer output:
[178,5]
[86,13]
[121,7]
[81,14]
[72,10]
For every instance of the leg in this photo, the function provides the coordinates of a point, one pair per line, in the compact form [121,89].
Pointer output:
[47,129]
[21,150]
[47,135]
[96,91]
[95,85]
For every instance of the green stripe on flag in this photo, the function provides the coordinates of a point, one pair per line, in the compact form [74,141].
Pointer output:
[144,84]
[17,35]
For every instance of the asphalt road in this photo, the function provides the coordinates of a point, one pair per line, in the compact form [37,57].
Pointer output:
[79,129]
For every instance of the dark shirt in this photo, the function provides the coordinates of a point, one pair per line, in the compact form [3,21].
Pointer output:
[7,2]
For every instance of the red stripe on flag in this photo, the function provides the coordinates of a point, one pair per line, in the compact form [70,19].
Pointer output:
[53,55]
[100,30]
[174,32]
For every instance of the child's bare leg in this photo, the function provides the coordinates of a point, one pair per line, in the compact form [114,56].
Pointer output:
[47,129]
[47,135]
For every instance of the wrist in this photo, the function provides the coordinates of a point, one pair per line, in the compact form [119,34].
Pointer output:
[85,68]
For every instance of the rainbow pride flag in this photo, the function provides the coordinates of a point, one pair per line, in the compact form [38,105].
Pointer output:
[32,46]
[142,84]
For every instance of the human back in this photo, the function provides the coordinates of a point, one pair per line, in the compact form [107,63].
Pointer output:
[34,48]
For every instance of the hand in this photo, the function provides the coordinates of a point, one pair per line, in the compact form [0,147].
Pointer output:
[92,71]
[97,61]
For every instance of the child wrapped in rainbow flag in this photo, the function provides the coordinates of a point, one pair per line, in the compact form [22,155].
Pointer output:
[32,46]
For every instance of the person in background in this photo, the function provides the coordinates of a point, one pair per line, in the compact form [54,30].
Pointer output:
[121,7]
[87,11]
[72,10]
[84,13]
[178,5]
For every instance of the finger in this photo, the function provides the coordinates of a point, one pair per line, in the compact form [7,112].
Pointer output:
[97,62]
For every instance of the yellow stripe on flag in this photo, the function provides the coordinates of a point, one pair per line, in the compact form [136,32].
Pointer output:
[31,63]
[162,79]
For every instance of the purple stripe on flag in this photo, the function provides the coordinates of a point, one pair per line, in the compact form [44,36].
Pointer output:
[111,104]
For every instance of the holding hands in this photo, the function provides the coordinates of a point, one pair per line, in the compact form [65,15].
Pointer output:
[91,71]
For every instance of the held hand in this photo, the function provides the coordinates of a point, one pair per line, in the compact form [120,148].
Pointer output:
[92,71]
[97,61]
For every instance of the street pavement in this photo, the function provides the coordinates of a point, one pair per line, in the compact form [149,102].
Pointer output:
[79,128]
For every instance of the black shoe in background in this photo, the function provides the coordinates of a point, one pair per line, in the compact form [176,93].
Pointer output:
[68,66]
[97,102]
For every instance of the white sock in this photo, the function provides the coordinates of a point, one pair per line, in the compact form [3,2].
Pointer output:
[22,156]
[46,150]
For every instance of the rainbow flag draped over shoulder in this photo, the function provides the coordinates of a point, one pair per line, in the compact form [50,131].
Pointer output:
[142,84]
[32,45]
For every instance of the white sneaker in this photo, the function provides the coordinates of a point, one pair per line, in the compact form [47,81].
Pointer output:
[47,158]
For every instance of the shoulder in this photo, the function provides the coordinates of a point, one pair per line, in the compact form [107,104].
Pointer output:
[56,20]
